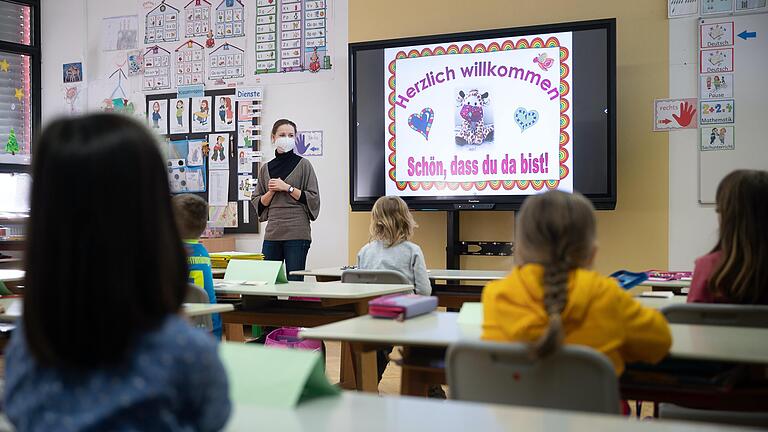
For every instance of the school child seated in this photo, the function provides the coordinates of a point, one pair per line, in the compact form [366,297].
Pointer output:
[101,345]
[390,248]
[552,297]
[736,271]
[191,214]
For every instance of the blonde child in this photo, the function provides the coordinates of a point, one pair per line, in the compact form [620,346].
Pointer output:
[391,249]
[552,297]
[736,271]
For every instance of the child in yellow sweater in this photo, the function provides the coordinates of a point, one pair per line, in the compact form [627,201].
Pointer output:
[551,297]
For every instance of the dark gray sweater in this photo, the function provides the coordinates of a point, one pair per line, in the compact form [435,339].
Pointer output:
[287,218]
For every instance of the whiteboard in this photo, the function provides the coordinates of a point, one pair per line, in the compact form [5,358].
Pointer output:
[750,91]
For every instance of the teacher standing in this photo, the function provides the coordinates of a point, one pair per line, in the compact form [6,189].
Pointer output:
[287,198]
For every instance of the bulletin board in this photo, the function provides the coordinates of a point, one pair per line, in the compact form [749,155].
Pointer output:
[732,97]
[206,151]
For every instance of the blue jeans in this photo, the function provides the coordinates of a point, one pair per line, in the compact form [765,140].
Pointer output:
[293,252]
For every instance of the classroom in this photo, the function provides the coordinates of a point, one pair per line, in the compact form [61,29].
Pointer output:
[344,215]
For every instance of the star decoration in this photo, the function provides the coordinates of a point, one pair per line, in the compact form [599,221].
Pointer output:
[4,65]
[19,94]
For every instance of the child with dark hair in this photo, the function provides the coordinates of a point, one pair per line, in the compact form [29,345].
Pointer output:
[552,297]
[736,271]
[191,212]
[101,344]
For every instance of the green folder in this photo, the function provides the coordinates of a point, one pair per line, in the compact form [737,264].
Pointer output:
[271,272]
[4,290]
[274,377]
[471,314]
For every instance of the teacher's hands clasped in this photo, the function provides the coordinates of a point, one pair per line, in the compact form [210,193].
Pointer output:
[278,185]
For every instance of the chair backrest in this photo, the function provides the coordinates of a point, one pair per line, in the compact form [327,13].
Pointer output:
[195,294]
[373,277]
[732,315]
[573,378]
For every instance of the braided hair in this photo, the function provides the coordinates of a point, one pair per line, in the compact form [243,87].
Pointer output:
[557,231]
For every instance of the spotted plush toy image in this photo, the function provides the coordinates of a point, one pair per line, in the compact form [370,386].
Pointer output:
[472,125]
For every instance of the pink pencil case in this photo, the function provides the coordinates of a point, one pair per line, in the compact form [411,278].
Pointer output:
[401,306]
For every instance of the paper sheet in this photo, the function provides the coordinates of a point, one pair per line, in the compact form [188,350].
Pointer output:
[218,155]
[246,212]
[120,33]
[218,193]
[245,187]
[225,113]
[256,270]
[179,117]
[224,217]
[244,161]
[294,375]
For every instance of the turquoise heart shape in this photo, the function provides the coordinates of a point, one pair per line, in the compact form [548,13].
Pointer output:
[525,119]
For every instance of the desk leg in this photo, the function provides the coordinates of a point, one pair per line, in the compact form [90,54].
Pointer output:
[365,369]
[234,333]
[347,371]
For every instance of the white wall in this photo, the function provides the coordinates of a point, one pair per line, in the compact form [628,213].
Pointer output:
[692,226]
[71,32]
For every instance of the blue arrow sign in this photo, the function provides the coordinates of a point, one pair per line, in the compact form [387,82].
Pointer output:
[747,35]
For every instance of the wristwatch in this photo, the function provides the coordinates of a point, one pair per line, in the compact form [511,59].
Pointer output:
[290,189]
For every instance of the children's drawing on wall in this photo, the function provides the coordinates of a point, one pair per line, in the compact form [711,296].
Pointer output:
[72,72]
[302,28]
[474,118]
[218,156]
[134,63]
[195,153]
[120,33]
[201,114]
[158,116]
[117,100]
[73,98]
[179,116]
[223,216]
[225,114]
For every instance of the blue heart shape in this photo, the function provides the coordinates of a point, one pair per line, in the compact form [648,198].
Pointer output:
[422,122]
[525,118]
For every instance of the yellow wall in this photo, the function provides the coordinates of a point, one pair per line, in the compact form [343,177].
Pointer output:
[635,235]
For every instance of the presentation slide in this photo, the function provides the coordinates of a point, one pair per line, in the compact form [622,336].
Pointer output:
[485,117]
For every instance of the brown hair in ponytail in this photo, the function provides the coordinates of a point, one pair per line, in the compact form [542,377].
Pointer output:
[556,230]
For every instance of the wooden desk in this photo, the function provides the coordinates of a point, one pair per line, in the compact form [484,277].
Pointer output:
[218,273]
[355,412]
[192,310]
[266,305]
[334,273]
[425,339]
[11,275]
[450,294]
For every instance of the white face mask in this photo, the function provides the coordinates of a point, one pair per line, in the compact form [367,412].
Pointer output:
[285,144]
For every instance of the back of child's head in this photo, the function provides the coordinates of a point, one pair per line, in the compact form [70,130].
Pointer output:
[191,213]
[391,221]
[104,260]
[557,230]
[742,203]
